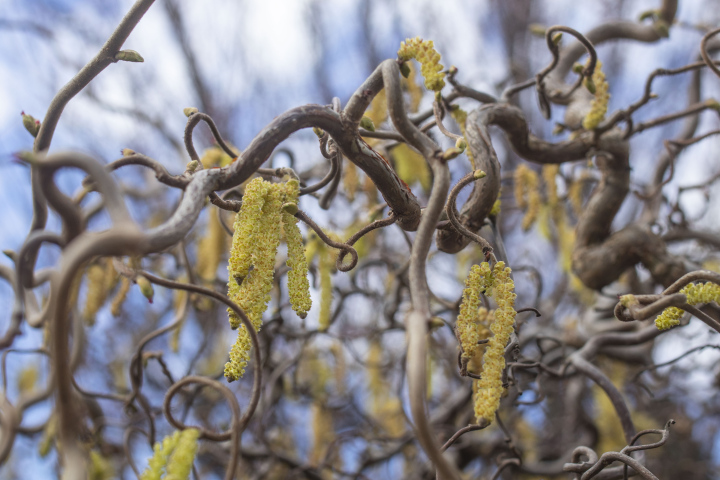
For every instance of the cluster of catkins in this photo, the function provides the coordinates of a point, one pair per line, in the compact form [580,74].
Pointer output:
[498,284]
[173,456]
[267,211]
[696,294]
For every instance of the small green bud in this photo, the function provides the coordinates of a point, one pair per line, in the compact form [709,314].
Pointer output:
[461,144]
[451,153]
[405,69]
[653,14]
[452,70]
[578,68]
[319,132]
[478,174]
[192,166]
[537,29]
[129,56]
[126,152]
[30,124]
[556,38]
[146,288]
[590,85]
[712,103]
[367,123]
[435,323]
[190,111]
[290,208]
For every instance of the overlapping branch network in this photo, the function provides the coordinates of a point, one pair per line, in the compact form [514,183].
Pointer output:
[267,208]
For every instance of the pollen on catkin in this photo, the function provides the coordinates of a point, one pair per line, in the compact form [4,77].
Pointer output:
[527,194]
[489,389]
[599,104]
[211,247]
[173,456]
[120,296]
[326,265]
[298,284]
[467,326]
[424,52]
[695,293]
[161,452]
[182,457]
[460,117]
[101,277]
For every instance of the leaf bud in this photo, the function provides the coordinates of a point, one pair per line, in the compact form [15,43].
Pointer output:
[461,144]
[556,38]
[129,56]
[290,208]
[590,85]
[146,288]
[126,152]
[188,111]
[367,123]
[537,29]
[192,166]
[30,124]
[405,69]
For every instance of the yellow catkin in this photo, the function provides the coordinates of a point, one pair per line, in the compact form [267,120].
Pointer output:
[120,296]
[377,112]
[351,180]
[489,388]
[467,326]
[179,299]
[527,194]
[410,166]
[100,280]
[247,228]
[323,433]
[460,117]
[424,52]
[599,104]
[549,174]
[696,293]
[48,437]
[326,265]
[485,319]
[211,247]
[27,379]
[100,467]
[181,459]
[340,369]
[610,431]
[215,157]
[161,452]
[298,284]
[385,408]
